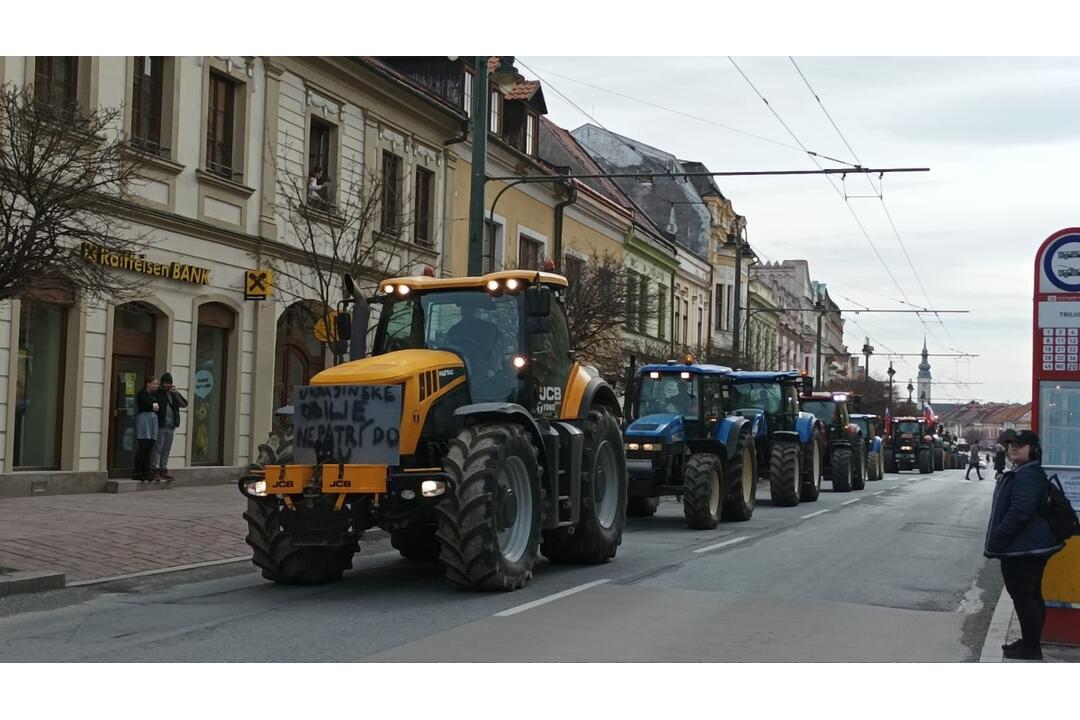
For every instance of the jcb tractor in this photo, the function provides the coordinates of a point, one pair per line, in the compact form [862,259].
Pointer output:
[470,434]
[681,440]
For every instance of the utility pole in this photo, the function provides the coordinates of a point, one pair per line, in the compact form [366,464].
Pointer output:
[890,372]
[817,376]
[736,306]
[479,123]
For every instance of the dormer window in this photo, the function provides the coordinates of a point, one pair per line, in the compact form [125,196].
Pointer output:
[530,134]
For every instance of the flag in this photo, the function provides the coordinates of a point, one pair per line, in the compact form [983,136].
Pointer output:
[928,415]
[888,422]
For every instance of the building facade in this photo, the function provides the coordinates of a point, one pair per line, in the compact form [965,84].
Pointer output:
[215,136]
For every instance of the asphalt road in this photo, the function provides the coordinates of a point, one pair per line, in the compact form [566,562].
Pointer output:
[891,573]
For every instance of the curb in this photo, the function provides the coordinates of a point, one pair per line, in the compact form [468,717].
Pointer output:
[30,581]
[998,631]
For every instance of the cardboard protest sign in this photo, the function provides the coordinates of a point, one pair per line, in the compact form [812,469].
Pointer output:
[349,424]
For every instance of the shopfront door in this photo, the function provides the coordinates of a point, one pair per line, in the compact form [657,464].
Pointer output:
[128,376]
[134,341]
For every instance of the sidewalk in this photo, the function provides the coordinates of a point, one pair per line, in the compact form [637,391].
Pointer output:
[103,535]
[1005,628]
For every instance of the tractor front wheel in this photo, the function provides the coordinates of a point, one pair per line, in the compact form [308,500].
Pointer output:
[811,488]
[703,494]
[925,462]
[842,470]
[284,562]
[489,520]
[742,480]
[785,474]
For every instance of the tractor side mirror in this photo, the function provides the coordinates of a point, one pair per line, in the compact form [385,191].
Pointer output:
[343,323]
[538,301]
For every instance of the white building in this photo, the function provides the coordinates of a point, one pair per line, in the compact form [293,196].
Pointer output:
[69,370]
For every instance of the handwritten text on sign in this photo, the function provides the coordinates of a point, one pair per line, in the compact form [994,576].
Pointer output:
[350,424]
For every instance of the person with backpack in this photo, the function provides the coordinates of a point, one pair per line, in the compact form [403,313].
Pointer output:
[1021,537]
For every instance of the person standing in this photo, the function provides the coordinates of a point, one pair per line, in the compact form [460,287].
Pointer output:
[1019,535]
[146,429]
[999,461]
[973,463]
[168,415]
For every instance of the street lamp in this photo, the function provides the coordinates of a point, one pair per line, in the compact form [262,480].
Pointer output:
[890,372]
[504,77]
[910,389]
[867,350]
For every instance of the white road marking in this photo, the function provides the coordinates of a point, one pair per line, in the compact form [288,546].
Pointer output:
[719,545]
[881,492]
[544,600]
[815,514]
[852,500]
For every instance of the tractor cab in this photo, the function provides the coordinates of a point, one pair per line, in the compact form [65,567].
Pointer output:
[678,401]
[772,395]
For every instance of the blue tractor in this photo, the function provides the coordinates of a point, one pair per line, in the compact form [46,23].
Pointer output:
[682,440]
[790,443]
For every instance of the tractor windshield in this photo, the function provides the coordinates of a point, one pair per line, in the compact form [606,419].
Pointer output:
[766,396]
[909,427]
[823,410]
[669,393]
[482,329]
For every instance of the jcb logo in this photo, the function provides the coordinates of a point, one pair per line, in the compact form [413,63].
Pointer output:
[282,484]
[341,483]
[549,393]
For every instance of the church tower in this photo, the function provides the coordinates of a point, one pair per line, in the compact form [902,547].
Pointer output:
[924,376]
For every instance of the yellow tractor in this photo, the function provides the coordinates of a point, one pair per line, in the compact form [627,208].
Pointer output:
[469,433]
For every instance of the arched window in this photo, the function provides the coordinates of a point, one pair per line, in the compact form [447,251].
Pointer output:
[299,355]
[211,391]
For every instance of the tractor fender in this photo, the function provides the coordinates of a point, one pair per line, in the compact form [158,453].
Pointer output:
[727,433]
[786,436]
[597,394]
[805,424]
[511,412]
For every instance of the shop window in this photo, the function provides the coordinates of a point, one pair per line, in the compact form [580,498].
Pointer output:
[299,355]
[40,385]
[210,393]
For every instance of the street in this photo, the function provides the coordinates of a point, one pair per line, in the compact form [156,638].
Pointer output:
[893,573]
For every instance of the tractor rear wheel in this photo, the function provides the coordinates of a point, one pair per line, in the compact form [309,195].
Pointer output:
[939,459]
[842,470]
[280,560]
[703,491]
[642,507]
[873,466]
[858,467]
[925,463]
[418,543]
[785,474]
[489,520]
[891,466]
[742,480]
[811,488]
[597,536]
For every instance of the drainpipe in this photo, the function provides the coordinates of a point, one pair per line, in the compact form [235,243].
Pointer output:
[560,208]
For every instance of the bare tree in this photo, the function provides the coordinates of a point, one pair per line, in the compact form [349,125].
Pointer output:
[336,228]
[64,177]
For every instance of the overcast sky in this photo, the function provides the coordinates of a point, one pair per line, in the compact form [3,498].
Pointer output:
[1001,139]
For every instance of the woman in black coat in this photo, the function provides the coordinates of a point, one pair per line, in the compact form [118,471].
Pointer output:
[1019,535]
[146,427]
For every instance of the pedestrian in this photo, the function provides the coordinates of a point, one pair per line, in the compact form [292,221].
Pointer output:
[146,427]
[168,415]
[1019,535]
[999,461]
[973,463]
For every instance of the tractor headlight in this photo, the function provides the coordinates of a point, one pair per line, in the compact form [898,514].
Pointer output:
[492,285]
[257,488]
[388,289]
[650,447]
[633,446]
[432,488]
[512,284]
[403,289]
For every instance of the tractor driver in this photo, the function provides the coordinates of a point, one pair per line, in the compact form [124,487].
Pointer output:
[475,337]
[676,398]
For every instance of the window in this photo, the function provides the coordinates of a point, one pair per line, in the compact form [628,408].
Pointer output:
[496,112]
[491,258]
[391,192]
[574,270]
[530,134]
[686,323]
[220,119]
[39,391]
[700,319]
[211,384]
[643,305]
[422,212]
[631,299]
[730,306]
[529,253]
[146,102]
[320,162]
[56,80]
[675,328]
[720,295]
[467,94]
[661,311]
